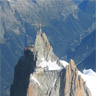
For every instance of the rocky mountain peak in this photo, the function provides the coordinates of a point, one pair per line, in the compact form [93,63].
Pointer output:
[42,46]
[74,84]
[72,64]
[43,74]
[42,49]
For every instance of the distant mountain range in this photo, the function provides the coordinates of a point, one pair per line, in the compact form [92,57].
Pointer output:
[64,22]
[88,6]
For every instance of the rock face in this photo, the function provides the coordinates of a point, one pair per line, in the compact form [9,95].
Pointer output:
[31,79]
[42,48]
[74,85]
[22,72]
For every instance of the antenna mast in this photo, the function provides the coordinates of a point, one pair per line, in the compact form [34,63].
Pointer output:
[40,27]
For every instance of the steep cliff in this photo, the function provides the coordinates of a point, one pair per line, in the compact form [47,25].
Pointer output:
[40,73]
[74,85]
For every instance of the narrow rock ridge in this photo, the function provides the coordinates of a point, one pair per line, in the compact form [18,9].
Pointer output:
[43,81]
[74,85]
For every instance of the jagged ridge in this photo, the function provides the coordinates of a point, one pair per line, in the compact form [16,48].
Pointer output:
[44,82]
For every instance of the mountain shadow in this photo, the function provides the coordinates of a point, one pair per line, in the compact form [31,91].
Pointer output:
[22,72]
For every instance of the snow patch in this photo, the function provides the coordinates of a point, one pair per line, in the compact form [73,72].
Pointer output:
[89,76]
[33,78]
[51,65]
[89,72]
[64,63]
[56,79]
[43,59]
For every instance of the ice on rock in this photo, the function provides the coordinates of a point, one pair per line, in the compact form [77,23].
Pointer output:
[33,78]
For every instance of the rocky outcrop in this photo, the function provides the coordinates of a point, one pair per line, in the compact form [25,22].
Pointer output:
[74,85]
[31,79]
[65,82]
[43,84]
[43,49]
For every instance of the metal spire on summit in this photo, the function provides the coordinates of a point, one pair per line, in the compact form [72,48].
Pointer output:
[40,27]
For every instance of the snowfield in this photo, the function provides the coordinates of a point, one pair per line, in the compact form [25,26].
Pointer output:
[89,76]
[51,65]
[64,63]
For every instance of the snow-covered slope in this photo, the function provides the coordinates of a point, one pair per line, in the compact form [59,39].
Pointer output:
[51,65]
[89,76]
[64,63]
